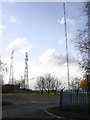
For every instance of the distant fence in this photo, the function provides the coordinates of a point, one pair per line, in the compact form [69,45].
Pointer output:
[75,99]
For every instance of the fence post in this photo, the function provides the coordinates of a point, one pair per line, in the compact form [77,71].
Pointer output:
[61,98]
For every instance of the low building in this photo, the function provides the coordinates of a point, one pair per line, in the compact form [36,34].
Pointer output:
[8,88]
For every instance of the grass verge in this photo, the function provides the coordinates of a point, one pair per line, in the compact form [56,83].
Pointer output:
[44,94]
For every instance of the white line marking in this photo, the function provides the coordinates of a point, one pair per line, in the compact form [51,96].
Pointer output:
[55,116]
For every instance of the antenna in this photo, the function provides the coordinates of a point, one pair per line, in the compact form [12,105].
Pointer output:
[11,76]
[66,46]
[26,80]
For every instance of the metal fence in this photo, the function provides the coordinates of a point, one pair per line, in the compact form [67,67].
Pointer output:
[75,99]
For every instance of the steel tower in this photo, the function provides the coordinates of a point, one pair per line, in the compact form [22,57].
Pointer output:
[11,75]
[66,46]
[26,80]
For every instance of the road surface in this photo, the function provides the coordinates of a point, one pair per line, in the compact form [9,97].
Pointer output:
[28,106]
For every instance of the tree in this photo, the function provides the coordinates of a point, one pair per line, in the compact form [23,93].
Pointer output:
[40,84]
[75,83]
[21,82]
[48,83]
[56,85]
[1,80]
[82,41]
[84,83]
[3,70]
[82,44]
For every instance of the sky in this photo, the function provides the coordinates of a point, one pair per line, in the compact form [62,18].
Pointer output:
[38,28]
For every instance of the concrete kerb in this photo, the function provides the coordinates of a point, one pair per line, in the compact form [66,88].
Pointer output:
[56,116]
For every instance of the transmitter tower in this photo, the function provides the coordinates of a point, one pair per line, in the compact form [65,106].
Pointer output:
[11,75]
[26,80]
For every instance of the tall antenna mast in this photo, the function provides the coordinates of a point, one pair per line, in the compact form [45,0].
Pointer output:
[66,46]
[11,76]
[26,80]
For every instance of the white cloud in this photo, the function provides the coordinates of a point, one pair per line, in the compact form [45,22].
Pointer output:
[52,58]
[47,56]
[70,21]
[13,19]
[20,43]
[1,28]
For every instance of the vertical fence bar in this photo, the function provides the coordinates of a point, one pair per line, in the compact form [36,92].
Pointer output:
[61,98]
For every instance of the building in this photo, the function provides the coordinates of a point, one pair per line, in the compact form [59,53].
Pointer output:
[8,88]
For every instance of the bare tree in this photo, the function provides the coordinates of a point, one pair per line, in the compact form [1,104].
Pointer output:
[52,83]
[21,82]
[82,44]
[3,70]
[48,83]
[40,84]
[1,80]
[82,41]
[74,84]
[56,85]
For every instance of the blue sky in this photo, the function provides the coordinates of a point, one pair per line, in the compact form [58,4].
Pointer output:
[38,28]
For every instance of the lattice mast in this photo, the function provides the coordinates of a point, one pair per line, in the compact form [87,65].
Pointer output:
[11,75]
[26,72]
[66,46]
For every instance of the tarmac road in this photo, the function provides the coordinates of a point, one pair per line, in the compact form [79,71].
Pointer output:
[28,106]
[25,110]
[36,106]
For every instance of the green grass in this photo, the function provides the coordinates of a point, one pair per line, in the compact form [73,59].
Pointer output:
[44,94]
[6,103]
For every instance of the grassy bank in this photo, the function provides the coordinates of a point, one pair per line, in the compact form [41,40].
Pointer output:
[44,94]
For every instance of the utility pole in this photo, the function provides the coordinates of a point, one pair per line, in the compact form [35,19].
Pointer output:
[11,76]
[66,46]
[26,80]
